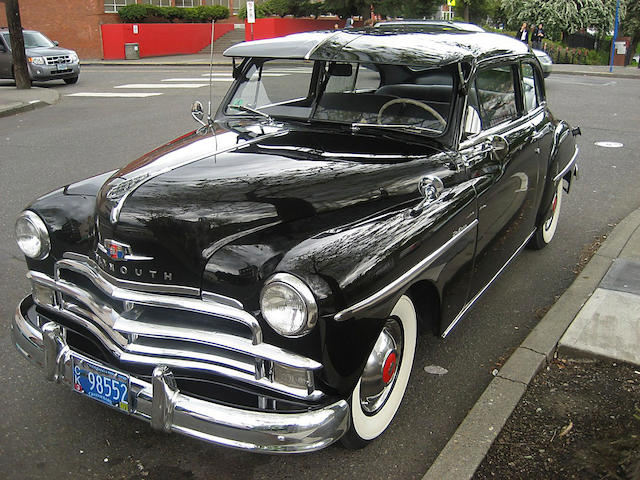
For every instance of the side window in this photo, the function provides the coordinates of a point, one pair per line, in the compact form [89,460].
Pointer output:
[496,96]
[529,90]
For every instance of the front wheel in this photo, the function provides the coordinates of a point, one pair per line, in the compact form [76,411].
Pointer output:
[379,392]
[71,80]
[545,232]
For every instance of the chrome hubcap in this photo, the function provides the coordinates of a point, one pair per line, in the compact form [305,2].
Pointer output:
[381,371]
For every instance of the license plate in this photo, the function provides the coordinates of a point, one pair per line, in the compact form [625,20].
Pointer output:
[101,383]
[62,66]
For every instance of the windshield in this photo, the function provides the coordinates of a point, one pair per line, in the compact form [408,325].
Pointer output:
[354,94]
[31,40]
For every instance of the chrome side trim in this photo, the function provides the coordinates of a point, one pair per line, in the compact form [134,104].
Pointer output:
[401,282]
[178,303]
[128,284]
[569,166]
[217,298]
[469,304]
[160,403]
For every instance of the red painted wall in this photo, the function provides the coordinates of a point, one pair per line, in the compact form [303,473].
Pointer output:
[156,39]
[277,27]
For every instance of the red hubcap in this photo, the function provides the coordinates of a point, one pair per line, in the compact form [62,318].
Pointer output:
[389,367]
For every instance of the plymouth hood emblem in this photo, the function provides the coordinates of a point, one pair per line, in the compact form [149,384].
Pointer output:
[119,251]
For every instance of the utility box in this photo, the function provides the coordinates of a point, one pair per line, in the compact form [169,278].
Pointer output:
[131,51]
[620,51]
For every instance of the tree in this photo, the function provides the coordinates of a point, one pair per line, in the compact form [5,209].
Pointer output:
[479,11]
[562,16]
[20,70]
[630,24]
[390,8]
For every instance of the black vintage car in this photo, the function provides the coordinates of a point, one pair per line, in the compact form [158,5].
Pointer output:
[259,283]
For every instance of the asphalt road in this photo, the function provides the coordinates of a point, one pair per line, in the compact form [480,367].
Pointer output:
[47,431]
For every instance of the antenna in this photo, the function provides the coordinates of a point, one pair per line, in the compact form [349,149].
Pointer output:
[211,71]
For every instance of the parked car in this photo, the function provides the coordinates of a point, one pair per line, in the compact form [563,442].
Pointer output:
[260,282]
[45,59]
[434,26]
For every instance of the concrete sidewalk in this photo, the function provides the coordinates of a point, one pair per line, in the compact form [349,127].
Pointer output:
[598,316]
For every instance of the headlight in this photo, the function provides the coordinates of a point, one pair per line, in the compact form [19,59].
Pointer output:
[37,60]
[288,305]
[73,57]
[32,236]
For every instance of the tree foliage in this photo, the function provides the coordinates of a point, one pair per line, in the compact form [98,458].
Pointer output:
[562,16]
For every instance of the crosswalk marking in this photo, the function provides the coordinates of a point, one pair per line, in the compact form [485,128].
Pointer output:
[162,85]
[221,79]
[115,95]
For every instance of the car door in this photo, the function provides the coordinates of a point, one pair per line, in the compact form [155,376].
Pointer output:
[5,58]
[503,160]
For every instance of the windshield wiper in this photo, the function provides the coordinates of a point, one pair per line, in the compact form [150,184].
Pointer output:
[402,128]
[244,108]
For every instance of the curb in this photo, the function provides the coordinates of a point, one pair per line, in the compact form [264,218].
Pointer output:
[467,448]
[20,107]
[597,74]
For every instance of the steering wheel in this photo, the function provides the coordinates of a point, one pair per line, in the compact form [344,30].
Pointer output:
[417,103]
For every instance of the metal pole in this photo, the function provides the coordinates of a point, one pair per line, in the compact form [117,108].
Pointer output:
[615,36]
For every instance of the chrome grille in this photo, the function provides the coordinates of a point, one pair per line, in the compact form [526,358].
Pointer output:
[58,59]
[181,332]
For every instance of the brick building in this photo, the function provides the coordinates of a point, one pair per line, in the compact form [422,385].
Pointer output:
[76,23]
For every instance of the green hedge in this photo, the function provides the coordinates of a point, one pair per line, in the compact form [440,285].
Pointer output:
[152,14]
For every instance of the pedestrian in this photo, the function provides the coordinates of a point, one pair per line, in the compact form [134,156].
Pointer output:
[538,36]
[349,22]
[523,33]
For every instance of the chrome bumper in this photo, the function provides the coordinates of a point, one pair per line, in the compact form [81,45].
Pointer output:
[162,404]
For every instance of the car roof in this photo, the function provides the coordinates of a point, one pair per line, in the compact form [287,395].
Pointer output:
[377,46]
[446,25]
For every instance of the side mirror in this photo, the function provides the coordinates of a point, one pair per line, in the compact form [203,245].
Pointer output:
[55,43]
[472,125]
[197,112]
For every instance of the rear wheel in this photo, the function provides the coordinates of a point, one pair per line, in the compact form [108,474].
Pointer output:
[547,229]
[379,392]
[71,80]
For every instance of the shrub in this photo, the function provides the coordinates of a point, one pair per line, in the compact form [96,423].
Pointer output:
[202,14]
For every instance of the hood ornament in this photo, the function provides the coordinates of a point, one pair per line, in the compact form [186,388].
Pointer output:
[119,251]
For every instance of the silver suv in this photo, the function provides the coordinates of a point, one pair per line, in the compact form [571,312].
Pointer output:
[45,59]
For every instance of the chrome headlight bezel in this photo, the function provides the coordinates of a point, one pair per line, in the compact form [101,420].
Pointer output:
[31,221]
[307,309]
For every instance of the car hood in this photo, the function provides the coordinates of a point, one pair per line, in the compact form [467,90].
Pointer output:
[47,51]
[173,208]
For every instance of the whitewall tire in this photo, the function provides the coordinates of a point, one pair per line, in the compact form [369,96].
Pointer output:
[379,391]
[547,229]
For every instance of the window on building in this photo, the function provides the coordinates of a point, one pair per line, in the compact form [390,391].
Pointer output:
[111,6]
[187,3]
[157,3]
[224,3]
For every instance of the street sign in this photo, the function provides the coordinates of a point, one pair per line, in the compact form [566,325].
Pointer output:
[251,12]
[451,3]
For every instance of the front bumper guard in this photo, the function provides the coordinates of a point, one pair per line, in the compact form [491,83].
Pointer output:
[161,403]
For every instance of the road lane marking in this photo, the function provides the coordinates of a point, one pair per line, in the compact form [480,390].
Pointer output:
[162,85]
[114,94]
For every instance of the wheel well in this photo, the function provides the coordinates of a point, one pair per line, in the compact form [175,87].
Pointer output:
[426,299]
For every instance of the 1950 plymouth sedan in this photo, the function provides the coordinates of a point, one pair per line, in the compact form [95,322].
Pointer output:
[259,283]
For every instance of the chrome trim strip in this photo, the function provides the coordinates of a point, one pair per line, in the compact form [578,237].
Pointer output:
[402,281]
[165,407]
[217,298]
[473,300]
[566,169]
[131,285]
[178,303]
